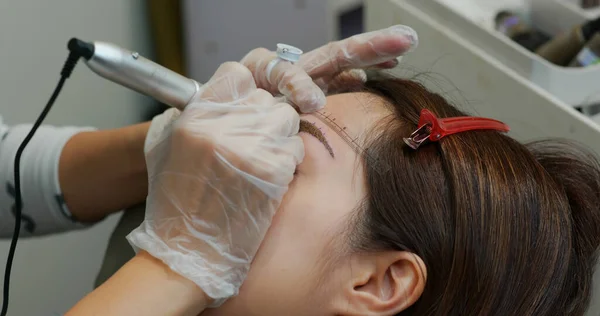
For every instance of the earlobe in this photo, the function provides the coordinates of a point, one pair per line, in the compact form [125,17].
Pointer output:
[385,283]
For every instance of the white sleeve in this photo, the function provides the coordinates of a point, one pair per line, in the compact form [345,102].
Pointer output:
[44,210]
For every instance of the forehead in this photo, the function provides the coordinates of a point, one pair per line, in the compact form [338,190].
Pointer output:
[353,114]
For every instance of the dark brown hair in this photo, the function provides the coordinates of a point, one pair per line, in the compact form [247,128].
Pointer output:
[502,227]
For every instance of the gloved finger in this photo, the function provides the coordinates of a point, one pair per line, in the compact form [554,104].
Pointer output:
[294,146]
[349,80]
[276,164]
[257,61]
[159,123]
[284,99]
[279,76]
[231,81]
[259,97]
[284,120]
[290,152]
[359,51]
[389,64]
[293,82]
[270,166]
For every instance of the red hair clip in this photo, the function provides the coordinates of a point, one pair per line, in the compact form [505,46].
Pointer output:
[433,129]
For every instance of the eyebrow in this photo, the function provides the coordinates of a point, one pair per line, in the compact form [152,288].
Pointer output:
[312,129]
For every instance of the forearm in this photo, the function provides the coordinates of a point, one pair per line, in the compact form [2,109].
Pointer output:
[144,286]
[101,172]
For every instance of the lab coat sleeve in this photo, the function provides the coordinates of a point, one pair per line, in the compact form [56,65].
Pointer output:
[44,210]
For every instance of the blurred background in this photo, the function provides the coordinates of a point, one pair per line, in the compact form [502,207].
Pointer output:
[495,58]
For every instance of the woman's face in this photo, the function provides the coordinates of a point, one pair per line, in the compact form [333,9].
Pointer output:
[289,275]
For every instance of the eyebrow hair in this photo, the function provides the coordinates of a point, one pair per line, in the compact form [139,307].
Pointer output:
[312,129]
[326,119]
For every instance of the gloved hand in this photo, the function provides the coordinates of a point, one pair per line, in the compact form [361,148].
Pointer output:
[305,83]
[217,173]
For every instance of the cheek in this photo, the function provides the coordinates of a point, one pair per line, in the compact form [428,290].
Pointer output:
[312,211]
[301,232]
[298,230]
[284,273]
[299,235]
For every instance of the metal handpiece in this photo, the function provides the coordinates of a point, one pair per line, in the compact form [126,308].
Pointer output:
[142,75]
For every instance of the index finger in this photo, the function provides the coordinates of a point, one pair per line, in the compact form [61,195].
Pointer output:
[359,51]
[285,78]
[232,81]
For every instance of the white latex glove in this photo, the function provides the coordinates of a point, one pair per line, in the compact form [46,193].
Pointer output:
[217,174]
[305,83]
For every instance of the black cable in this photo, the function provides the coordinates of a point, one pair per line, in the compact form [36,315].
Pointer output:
[64,74]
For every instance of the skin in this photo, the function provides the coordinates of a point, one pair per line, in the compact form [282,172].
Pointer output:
[302,266]
[102,172]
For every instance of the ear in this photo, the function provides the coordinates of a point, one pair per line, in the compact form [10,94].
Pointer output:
[383,283]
